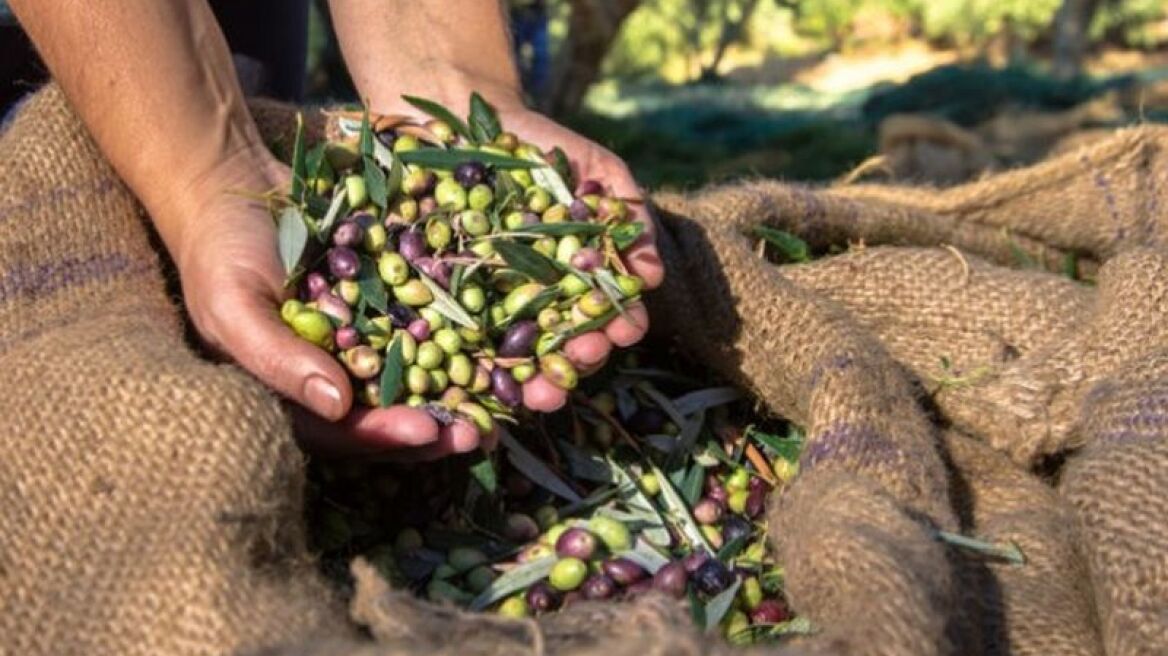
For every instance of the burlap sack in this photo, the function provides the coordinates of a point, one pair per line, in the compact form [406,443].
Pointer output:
[160,513]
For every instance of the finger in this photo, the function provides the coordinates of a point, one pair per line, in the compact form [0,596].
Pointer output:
[541,395]
[459,437]
[626,332]
[587,350]
[642,257]
[366,431]
[251,332]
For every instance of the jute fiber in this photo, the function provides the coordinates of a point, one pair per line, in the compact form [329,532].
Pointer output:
[152,500]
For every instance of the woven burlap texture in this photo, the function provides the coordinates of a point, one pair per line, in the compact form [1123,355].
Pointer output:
[152,500]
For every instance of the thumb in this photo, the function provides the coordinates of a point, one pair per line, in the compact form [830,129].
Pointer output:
[298,370]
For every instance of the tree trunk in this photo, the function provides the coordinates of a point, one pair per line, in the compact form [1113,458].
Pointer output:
[592,29]
[1071,24]
[731,32]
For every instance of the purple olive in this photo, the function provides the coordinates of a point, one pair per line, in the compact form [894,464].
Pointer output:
[647,421]
[579,210]
[315,284]
[343,262]
[519,340]
[427,205]
[505,388]
[348,234]
[756,502]
[412,245]
[542,597]
[671,580]
[387,137]
[347,337]
[576,543]
[598,586]
[734,527]
[335,307]
[518,485]
[770,611]
[757,484]
[587,259]
[590,188]
[718,495]
[531,218]
[469,174]
[419,329]
[695,560]
[707,511]
[639,588]
[436,269]
[623,571]
[401,315]
[713,577]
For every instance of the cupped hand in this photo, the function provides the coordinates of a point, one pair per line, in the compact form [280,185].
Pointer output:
[591,161]
[233,286]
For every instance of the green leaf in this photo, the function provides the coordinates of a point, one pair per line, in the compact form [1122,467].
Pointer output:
[786,447]
[528,261]
[366,135]
[506,188]
[792,248]
[445,304]
[456,275]
[376,183]
[624,234]
[484,473]
[299,164]
[314,160]
[563,167]
[732,548]
[546,177]
[636,501]
[534,468]
[513,581]
[325,229]
[293,237]
[691,487]
[697,609]
[442,114]
[720,605]
[680,512]
[394,182]
[391,373]
[607,283]
[437,158]
[579,228]
[703,399]
[371,287]
[484,122]
[587,466]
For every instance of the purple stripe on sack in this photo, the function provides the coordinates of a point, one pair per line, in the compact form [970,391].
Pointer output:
[1108,197]
[100,187]
[32,281]
[859,444]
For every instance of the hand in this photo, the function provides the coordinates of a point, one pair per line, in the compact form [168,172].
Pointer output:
[591,161]
[233,285]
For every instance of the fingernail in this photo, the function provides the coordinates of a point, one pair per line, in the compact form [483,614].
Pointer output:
[323,397]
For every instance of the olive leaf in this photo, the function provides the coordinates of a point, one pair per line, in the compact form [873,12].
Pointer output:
[436,158]
[792,248]
[299,163]
[685,441]
[691,486]
[293,237]
[534,468]
[636,500]
[391,374]
[445,304]
[703,399]
[366,139]
[442,114]
[624,234]
[578,228]
[644,555]
[720,605]
[315,161]
[528,261]
[506,188]
[371,287]
[585,465]
[484,474]
[732,548]
[456,276]
[680,512]
[789,448]
[513,581]
[546,177]
[562,166]
[376,183]
[593,324]
[325,228]
[484,122]
[394,182]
